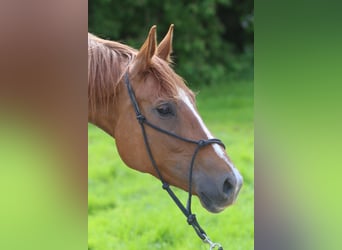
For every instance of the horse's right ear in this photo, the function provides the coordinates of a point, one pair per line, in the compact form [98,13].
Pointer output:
[148,49]
[164,49]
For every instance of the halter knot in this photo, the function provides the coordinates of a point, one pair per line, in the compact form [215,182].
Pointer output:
[165,185]
[141,118]
[191,219]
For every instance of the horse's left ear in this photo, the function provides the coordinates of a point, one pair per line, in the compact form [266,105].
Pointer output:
[164,49]
[148,49]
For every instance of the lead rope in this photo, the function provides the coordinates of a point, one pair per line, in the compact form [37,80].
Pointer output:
[191,218]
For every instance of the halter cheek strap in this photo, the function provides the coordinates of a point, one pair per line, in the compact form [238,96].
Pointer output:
[191,218]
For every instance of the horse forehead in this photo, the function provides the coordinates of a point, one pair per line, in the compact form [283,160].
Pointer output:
[159,86]
[185,96]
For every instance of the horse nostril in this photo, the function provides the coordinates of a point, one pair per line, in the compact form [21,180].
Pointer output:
[228,187]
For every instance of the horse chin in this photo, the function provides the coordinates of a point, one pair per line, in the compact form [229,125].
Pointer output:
[209,205]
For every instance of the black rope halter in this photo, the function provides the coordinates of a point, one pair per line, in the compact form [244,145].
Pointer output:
[191,218]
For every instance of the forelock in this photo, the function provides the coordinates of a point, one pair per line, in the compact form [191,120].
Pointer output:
[169,82]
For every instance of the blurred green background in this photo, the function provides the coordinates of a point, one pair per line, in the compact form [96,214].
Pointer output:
[298,60]
[213,39]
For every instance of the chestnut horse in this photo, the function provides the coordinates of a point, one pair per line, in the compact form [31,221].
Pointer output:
[124,83]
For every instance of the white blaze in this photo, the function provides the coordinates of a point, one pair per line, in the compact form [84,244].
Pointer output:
[218,149]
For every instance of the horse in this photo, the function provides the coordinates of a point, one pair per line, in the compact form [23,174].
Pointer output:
[137,98]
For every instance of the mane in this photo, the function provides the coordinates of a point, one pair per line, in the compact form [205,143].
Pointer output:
[109,60]
[106,62]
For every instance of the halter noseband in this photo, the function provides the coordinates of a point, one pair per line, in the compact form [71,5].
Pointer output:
[191,218]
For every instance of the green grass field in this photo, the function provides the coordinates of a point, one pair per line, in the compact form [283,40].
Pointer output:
[130,210]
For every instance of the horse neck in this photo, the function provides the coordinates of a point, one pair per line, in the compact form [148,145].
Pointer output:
[107,62]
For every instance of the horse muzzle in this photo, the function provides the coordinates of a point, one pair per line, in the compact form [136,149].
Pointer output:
[216,195]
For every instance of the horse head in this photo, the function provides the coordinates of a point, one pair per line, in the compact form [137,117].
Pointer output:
[166,102]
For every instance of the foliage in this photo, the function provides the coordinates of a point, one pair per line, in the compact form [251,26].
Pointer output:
[130,210]
[213,38]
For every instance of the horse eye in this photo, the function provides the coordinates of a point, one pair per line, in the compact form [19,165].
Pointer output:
[164,110]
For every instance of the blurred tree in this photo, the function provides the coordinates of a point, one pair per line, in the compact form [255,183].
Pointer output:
[213,39]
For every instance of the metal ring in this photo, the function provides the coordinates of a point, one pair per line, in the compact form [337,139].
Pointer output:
[211,244]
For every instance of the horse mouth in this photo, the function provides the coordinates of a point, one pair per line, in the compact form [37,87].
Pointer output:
[209,205]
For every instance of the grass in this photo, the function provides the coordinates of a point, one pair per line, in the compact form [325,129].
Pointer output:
[129,210]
